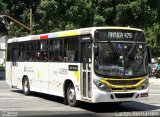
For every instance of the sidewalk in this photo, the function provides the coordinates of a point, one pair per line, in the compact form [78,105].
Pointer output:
[152,77]
[154,80]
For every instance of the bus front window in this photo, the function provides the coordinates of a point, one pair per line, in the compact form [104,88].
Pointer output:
[120,59]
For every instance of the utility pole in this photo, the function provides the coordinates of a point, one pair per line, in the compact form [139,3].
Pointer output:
[30,21]
[19,23]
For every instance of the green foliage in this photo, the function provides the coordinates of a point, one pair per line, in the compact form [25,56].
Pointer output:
[152,35]
[53,15]
[3,30]
[153,38]
[135,14]
[2,6]
[99,20]
[2,66]
[56,15]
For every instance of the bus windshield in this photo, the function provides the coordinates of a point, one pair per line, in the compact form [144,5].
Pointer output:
[120,59]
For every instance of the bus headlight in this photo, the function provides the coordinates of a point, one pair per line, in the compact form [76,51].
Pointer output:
[144,85]
[100,85]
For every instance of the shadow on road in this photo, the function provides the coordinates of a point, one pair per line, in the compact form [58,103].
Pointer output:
[100,107]
[124,107]
[41,95]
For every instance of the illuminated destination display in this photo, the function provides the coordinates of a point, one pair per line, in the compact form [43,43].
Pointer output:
[119,35]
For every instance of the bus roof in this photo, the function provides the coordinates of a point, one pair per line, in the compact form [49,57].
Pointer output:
[82,31]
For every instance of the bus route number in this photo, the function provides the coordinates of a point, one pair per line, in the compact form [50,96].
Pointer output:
[120,35]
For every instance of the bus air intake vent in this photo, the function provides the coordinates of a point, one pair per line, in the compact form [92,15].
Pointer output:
[121,89]
[124,95]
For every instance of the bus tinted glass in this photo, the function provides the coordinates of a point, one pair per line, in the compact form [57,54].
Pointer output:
[121,59]
[119,35]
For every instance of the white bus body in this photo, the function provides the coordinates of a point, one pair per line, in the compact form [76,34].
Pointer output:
[54,77]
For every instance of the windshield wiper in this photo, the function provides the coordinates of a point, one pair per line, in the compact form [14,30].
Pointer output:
[113,48]
[132,48]
[134,44]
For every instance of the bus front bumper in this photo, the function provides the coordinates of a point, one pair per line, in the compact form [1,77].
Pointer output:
[102,96]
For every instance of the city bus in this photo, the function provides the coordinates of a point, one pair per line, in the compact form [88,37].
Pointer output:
[95,65]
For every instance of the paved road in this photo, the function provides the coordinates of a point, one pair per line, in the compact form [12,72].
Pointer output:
[13,102]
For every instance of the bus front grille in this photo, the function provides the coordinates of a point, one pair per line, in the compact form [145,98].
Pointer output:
[124,82]
[123,85]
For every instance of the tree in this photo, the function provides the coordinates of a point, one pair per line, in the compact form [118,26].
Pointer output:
[135,14]
[54,15]
[3,29]
[19,10]
[2,25]
[153,38]
[2,6]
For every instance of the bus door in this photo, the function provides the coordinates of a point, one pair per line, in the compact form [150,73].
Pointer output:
[86,57]
[14,66]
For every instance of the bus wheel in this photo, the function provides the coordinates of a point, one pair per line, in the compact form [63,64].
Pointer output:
[26,87]
[71,95]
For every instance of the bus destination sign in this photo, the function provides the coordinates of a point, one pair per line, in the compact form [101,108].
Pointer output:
[119,35]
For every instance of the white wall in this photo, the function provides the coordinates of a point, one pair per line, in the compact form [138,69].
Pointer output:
[3,41]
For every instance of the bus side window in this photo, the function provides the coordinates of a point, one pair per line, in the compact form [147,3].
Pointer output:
[22,51]
[9,52]
[64,49]
[71,47]
[56,50]
[42,51]
[14,52]
[71,55]
[30,51]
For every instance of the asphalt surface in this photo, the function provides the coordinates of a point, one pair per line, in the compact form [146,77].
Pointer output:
[14,103]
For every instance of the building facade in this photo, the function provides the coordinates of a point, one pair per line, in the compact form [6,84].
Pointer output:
[3,45]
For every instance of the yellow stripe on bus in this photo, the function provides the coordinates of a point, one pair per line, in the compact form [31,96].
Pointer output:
[70,33]
[38,74]
[77,75]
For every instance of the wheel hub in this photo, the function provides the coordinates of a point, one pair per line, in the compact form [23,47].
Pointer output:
[71,95]
[25,86]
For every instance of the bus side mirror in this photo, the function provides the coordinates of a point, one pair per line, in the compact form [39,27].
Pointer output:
[149,54]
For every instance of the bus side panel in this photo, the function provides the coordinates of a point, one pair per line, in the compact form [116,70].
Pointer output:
[20,73]
[59,73]
[40,76]
[8,73]
[37,73]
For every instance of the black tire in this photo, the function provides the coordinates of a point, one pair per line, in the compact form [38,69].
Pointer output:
[71,96]
[26,87]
